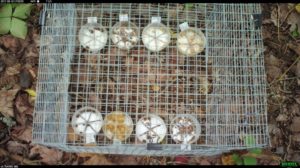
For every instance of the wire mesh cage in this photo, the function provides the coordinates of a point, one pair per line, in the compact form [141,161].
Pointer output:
[151,79]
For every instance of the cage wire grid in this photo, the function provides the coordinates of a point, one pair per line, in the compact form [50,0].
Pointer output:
[223,87]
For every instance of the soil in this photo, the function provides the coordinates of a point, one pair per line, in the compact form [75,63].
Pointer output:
[19,67]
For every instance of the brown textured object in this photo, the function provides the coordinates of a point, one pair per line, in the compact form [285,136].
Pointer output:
[117,125]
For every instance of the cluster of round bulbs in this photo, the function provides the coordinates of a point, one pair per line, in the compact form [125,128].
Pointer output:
[156,37]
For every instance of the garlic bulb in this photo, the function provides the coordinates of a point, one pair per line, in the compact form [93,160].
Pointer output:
[185,129]
[151,128]
[156,37]
[125,35]
[117,126]
[87,121]
[93,36]
[191,42]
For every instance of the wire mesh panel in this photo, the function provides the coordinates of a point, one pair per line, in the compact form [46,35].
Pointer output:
[105,80]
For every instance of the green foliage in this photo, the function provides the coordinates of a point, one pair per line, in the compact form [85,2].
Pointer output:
[12,19]
[188,6]
[6,11]
[249,140]
[297,7]
[295,32]
[18,28]
[5,25]
[236,158]
[256,151]
[246,159]
[249,160]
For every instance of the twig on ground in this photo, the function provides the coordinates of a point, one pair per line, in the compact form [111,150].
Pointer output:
[286,71]
[290,11]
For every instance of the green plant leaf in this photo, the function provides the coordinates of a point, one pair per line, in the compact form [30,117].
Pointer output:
[15,4]
[297,7]
[256,151]
[5,25]
[22,11]
[188,6]
[250,160]
[18,28]
[249,140]
[235,157]
[295,32]
[6,11]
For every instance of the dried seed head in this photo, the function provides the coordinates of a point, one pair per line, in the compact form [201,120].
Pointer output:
[156,37]
[191,42]
[117,125]
[151,129]
[93,36]
[185,129]
[125,35]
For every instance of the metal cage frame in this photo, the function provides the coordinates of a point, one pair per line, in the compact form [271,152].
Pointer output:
[231,113]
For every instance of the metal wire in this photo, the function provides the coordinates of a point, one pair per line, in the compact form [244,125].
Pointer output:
[224,87]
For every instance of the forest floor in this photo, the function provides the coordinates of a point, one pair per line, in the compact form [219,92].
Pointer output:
[18,71]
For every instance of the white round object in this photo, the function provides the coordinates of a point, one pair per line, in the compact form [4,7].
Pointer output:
[125,35]
[87,121]
[191,42]
[93,36]
[117,126]
[151,128]
[156,37]
[185,129]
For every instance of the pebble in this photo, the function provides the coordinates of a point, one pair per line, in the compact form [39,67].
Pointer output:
[282,118]
[25,79]
[280,150]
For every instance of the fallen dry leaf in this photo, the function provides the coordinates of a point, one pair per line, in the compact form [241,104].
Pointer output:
[295,109]
[49,156]
[271,60]
[281,118]
[295,126]
[14,147]
[13,70]
[31,51]
[22,104]
[6,102]
[72,137]
[227,160]
[98,159]
[204,162]
[84,155]
[273,73]
[23,134]
[11,43]
[126,160]
[298,73]
[281,15]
